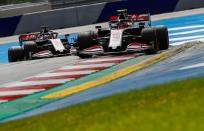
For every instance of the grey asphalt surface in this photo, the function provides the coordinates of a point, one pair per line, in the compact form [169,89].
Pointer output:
[161,72]
[18,71]
[164,71]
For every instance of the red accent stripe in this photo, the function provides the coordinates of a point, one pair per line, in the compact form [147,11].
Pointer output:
[101,62]
[54,77]
[28,87]
[80,69]
[94,47]
[123,56]
[136,44]
[11,97]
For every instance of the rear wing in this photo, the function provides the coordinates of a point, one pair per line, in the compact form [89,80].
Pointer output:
[140,17]
[28,37]
[134,17]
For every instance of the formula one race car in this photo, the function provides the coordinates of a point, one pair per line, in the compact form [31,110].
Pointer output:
[127,33]
[38,44]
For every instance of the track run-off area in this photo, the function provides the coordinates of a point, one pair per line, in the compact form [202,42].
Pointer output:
[181,30]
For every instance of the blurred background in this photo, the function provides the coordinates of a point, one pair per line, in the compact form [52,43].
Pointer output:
[18,7]
[53,3]
[7,2]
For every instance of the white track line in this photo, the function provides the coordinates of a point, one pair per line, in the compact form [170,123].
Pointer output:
[183,42]
[2,101]
[87,66]
[186,38]
[65,73]
[187,32]
[186,27]
[21,92]
[32,83]
[192,66]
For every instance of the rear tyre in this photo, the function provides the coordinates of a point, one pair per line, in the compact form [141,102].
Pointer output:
[29,48]
[149,37]
[162,37]
[15,53]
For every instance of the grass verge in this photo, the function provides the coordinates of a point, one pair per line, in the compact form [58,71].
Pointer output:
[173,106]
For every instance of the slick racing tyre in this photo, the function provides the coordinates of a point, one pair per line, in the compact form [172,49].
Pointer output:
[162,37]
[149,37]
[84,56]
[15,53]
[85,39]
[29,48]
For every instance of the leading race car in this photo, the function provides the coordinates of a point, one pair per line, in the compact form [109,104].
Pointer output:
[38,44]
[127,33]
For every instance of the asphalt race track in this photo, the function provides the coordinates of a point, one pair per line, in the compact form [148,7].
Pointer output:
[181,29]
[189,63]
[20,70]
[186,64]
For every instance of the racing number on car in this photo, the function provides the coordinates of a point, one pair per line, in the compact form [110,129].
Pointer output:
[116,36]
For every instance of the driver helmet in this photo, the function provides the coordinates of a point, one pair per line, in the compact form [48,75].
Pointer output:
[122,16]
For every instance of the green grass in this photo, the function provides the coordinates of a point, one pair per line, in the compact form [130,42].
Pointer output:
[176,106]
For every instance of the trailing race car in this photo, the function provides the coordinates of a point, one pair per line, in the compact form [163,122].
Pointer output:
[127,33]
[38,44]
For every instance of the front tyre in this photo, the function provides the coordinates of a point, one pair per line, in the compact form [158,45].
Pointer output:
[85,39]
[84,56]
[149,37]
[162,37]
